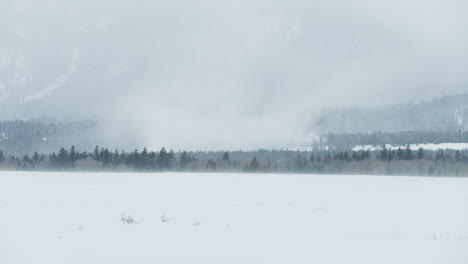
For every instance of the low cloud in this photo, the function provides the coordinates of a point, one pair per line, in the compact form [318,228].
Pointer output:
[212,74]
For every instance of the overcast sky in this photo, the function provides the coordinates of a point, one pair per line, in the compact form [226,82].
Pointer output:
[223,74]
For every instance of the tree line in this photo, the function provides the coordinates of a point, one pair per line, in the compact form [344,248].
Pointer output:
[385,161]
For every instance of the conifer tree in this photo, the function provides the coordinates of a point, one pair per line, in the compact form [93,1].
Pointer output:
[211,165]
[184,160]
[400,154]
[226,156]
[254,164]
[408,153]
[420,153]
[73,156]
[63,158]
[96,153]
[35,158]
[383,153]
[163,159]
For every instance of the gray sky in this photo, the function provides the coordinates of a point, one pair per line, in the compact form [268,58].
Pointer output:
[223,74]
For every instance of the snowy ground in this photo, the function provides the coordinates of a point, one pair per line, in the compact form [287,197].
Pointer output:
[57,218]
[442,146]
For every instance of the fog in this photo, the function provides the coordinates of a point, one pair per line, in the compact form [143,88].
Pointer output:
[223,74]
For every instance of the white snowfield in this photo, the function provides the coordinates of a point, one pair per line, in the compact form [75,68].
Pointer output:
[441,146]
[91,218]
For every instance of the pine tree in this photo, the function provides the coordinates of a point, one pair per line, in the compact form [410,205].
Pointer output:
[420,153]
[408,153]
[184,160]
[105,157]
[144,159]
[163,159]
[301,163]
[52,158]
[440,155]
[63,159]
[96,153]
[116,158]
[346,156]
[226,157]
[123,157]
[254,164]
[36,158]
[211,165]
[170,159]
[26,160]
[400,154]
[383,153]
[73,156]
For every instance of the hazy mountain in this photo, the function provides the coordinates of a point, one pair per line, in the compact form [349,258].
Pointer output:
[238,74]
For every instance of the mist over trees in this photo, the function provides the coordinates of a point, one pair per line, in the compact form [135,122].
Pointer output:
[441,120]
[33,145]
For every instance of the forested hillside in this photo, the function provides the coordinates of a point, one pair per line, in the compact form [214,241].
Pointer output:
[445,113]
[25,137]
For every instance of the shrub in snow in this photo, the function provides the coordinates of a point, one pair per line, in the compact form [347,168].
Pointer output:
[166,219]
[127,219]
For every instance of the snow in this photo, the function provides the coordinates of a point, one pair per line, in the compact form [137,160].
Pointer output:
[441,146]
[2,92]
[59,82]
[459,117]
[58,218]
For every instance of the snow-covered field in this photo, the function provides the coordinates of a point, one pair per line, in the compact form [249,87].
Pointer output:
[441,146]
[58,218]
